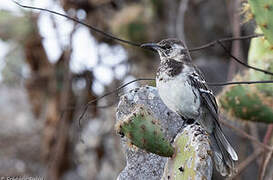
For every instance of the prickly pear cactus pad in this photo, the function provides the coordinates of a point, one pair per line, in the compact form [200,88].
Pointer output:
[246,102]
[263,13]
[192,158]
[261,55]
[144,131]
[141,164]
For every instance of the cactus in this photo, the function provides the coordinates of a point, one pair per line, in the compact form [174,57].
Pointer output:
[261,55]
[247,103]
[192,158]
[144,131]
[255,102]
[262,11]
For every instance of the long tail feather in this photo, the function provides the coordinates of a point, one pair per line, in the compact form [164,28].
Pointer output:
[224,154]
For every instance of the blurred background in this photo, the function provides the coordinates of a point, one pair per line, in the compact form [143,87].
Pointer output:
[50,67]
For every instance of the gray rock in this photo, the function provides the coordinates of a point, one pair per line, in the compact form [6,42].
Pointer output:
[143,165]
[140,164]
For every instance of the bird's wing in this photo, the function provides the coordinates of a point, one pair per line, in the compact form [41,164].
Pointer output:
[198,81]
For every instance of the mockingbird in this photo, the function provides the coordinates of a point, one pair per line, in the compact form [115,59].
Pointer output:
[182,87]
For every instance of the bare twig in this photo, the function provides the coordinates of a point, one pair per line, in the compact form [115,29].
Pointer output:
[265,164]
[241,62]
[213,43]
[268,134]
[133,43]
[239,82]
[246,135]
[266,157]
[151,79]
[253,130]
[109,93]
[80,22]
[139,45]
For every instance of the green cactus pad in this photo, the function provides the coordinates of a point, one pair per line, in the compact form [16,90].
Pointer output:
[261,55]
[263,14]
[143,131]
[247,103]
[192,158]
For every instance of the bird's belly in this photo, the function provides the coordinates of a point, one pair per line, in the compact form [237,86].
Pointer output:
[180,97]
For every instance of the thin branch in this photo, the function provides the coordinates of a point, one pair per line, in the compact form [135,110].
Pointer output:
[151,79]
[265,164]
[213,43]
[246,135]
[268,134]
[267,156]
[220,42]
[146,79]
[109,93]
[241,62]
[243,165]
[253,131]
[80,22]
[129,42]
[139,45]
[240,82]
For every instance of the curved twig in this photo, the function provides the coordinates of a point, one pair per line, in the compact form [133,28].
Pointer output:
[213,43]
[80,22]
[241,62]
[151,79]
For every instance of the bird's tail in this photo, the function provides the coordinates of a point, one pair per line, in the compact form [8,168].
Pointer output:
[224,154]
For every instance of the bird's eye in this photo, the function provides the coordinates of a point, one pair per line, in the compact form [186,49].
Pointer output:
[166,46]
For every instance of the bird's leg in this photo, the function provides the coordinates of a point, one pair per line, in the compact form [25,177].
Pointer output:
[188,121]
[185,121]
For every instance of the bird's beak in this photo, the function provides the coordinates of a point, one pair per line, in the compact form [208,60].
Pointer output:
[151,46]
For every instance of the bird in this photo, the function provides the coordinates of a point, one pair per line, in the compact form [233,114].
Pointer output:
[183,89]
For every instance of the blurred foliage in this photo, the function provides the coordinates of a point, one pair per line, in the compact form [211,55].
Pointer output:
[15,27]
[14,65]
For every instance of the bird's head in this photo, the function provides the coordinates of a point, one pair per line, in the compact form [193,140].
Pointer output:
[170,49]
